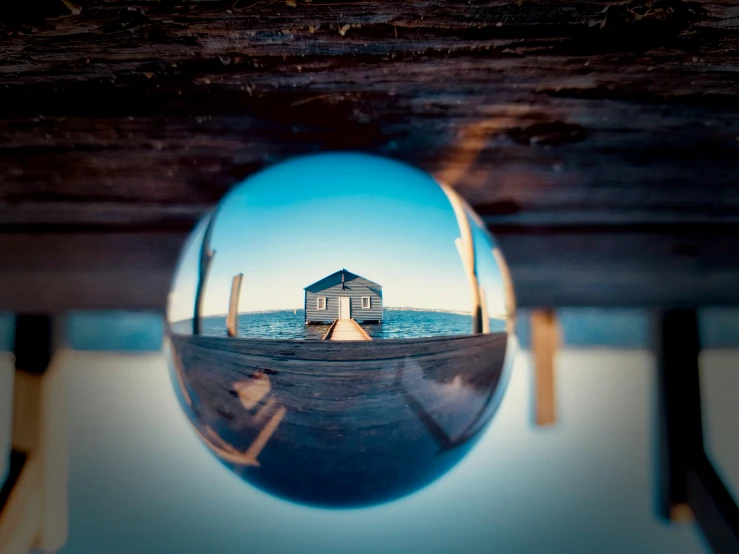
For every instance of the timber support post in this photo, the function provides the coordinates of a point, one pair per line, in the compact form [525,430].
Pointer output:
[33,501]
[690,487]
[232,323]
[466,247]
[206,258]
[545,341]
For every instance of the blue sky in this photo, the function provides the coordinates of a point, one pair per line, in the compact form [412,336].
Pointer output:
[294,223]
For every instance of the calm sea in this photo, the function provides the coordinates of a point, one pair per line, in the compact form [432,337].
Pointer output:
[290,324]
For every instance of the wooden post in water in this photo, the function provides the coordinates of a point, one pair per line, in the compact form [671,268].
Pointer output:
[544,345]
[206,258]
[466,248]
[484,311]
[232,322]
[509,300]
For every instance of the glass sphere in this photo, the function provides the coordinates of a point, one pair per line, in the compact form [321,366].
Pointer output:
[340,329]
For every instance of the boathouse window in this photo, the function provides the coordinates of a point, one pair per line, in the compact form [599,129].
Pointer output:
[321,303]
[365,302]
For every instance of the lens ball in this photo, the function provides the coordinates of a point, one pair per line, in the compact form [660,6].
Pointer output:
[340,329]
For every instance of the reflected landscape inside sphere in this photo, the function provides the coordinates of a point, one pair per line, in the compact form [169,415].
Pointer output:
[340,330]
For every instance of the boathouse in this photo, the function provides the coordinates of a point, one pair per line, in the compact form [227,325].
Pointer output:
[343,295]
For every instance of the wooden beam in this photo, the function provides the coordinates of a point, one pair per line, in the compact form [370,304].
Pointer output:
[52,272]
[610,266]
[545,339]
[567,112]
[232,321]
[689,485]
[130,269]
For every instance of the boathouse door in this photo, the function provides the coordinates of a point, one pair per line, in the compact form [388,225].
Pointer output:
[344,308]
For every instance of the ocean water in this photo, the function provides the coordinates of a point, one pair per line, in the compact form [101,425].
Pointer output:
[290,324]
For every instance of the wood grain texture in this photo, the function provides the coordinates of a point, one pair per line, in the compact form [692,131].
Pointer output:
[354,406]
[694,266]
[578,130]
[346,330]
[538,111]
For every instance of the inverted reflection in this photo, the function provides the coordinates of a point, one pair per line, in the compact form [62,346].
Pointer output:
[298,389]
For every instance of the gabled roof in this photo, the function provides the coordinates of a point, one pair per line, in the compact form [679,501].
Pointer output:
[327,281]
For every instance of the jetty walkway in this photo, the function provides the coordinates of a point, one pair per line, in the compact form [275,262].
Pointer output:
[346,329]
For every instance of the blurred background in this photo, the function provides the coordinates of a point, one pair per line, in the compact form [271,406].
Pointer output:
[141,481]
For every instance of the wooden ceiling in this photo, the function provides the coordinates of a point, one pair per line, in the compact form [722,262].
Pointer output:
[598,140]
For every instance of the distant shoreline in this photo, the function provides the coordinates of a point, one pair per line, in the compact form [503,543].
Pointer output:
[388,308]
[398,323]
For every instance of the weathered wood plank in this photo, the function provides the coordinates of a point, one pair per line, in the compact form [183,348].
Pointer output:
[545,112]
[325,351]
[645,163]
[357,406]
[346,329]
[549,268]
[330,330]
[598,140]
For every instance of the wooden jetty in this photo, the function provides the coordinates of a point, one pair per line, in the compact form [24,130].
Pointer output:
[346,329]
[338,423]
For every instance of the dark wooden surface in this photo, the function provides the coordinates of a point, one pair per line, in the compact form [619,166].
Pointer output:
[599,140]
[360,421]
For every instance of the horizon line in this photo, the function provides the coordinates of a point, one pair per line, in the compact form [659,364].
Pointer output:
[408,308]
